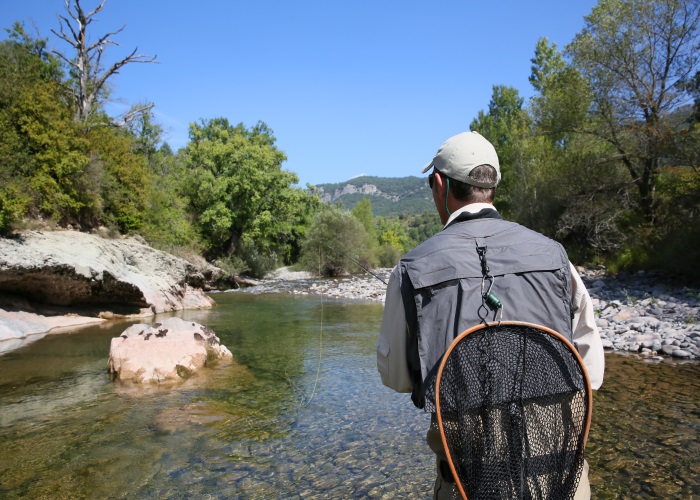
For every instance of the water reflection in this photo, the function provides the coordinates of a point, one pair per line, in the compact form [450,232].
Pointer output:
[300,414]
[644,435]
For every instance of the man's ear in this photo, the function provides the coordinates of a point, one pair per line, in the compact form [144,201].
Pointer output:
[440,181]
[439,188]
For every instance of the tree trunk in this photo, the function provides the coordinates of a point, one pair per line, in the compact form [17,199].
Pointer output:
[646,184]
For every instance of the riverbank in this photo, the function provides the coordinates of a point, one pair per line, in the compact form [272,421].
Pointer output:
[641,313]
[55,280]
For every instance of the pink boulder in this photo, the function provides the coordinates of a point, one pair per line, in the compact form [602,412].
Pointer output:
[168,351]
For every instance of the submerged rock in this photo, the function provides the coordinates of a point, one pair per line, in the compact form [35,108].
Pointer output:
[172,350]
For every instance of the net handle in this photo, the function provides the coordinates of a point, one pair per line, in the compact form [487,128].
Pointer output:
[481,326]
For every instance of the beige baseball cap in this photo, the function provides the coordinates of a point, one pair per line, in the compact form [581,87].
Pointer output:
[460,154]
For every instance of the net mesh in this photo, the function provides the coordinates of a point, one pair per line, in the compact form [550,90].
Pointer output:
[513,407]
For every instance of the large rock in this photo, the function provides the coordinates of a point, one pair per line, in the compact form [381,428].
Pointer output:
[167,351]
[123,276]
[19,328]
[51,280]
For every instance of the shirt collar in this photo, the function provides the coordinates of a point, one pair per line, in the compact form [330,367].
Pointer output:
[472,208]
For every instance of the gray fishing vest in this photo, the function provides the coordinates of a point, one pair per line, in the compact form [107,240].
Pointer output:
[441,288]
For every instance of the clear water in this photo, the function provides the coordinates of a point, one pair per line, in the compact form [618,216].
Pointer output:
[284,422]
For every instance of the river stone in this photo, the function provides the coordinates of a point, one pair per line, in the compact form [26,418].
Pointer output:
[656,310]
[680,353]
[625,314]
[598,284]
[669,349]
[171,350]
[650,321]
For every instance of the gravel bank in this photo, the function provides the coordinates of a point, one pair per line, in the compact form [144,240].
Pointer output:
[640,313]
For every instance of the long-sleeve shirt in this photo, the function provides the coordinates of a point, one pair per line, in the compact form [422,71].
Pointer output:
[391,348]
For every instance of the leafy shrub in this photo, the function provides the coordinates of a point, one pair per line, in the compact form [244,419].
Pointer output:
[389,256]
[335,243]
[255,262]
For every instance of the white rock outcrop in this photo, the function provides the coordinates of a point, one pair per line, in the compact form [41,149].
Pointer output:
[169,351]
[73,273]
[69,268]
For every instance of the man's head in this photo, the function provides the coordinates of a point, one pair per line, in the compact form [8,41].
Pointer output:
[467,166]
[460,154]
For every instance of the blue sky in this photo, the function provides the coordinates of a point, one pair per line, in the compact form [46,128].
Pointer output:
[349,88]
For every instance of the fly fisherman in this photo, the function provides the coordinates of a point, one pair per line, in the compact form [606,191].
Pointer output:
[433,294]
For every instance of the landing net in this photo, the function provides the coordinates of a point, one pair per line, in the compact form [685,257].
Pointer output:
[513,404]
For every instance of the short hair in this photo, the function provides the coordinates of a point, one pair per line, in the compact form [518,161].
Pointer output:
[473,194]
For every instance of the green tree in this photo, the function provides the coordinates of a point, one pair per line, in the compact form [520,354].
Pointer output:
[27,58]
[546,63]
[687,148]
[636,56]
[168,223]
[146,133]
[422,227]
[393,240]
[43,156]
[245,203]
[575,190]
[121,176]
[334,243]
[560,107]
[505,125]
[292,238]
[677,247]
[362,211]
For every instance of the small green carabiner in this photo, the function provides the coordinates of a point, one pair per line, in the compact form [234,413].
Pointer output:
[493,301]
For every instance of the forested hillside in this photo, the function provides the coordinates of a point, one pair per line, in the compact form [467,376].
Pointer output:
[390,196]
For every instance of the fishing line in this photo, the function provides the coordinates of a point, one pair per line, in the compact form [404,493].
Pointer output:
[320,341]
[353,260]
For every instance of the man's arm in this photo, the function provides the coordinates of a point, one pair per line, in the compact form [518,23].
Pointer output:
[585,331]
[391,348]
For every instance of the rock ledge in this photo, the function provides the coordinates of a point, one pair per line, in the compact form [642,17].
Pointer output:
[46,275]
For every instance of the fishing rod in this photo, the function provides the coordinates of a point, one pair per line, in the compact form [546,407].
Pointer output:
[353,260]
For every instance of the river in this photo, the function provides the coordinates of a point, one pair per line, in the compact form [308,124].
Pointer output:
[300,414]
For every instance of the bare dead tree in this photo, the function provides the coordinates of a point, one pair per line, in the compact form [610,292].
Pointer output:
[133,114]
[87,64]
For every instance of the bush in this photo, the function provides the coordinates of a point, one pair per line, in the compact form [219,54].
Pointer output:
[335,243]
[254,262]
[389,256]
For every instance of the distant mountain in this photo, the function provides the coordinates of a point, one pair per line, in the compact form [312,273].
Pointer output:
[390,196]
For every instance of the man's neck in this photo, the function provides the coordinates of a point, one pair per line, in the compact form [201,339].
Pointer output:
[471,208]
